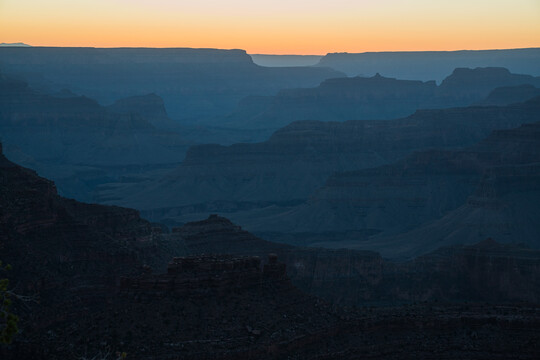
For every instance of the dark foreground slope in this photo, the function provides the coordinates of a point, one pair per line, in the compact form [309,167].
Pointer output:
[487,271]
[88,267]
[60,245]
[81,265]
[192,82]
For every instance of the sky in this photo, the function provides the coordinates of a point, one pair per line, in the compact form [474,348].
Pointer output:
[275,26]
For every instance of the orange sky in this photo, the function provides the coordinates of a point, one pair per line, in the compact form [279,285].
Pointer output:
[276,26]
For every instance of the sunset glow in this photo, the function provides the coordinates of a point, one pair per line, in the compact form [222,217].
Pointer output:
[278,26]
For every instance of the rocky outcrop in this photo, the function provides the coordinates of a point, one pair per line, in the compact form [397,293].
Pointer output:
[466,85]
[487,271]
[321,272]
[189,276]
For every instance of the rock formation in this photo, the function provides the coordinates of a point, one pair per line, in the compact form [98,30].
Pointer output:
[151,107]
[373,98]
[509,95]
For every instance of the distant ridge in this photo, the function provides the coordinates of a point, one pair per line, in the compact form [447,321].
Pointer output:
[18,44]
[377,98]
[185,78]
[285,60]
[431,65]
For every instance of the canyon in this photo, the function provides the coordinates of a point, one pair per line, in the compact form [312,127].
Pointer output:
[286,171]
[190,204]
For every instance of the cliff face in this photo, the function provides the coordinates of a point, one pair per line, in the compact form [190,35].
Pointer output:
[375,98]
[197,275]
[503,206]
[438,198]
[299,158]
[321,272]
[149,106]
[192,82]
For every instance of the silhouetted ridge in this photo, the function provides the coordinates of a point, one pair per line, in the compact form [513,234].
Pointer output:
[431,65]
[193,83]
[477,83]
[373,98]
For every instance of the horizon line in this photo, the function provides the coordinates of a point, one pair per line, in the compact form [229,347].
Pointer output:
[26,45]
